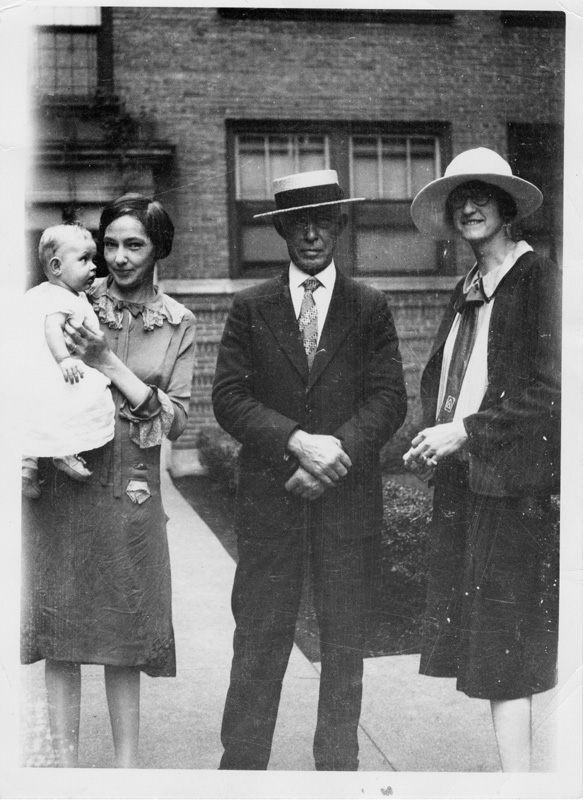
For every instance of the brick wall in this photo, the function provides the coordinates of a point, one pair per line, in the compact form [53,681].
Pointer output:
[191,70]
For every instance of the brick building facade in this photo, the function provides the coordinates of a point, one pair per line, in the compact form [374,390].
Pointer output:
[203,107]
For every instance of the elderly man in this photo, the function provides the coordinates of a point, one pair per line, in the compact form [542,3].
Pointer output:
[309,380]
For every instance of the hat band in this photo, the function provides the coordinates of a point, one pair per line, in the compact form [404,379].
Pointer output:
[308,196]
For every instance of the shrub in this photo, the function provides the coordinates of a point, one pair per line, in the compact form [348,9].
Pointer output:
[219,453]
[406,526]
[392,453]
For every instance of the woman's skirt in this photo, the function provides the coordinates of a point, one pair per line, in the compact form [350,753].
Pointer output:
[96,570]
[491,618]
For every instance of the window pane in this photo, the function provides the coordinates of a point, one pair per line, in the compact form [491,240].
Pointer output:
[395,169]
[80,57]
[262,243]
[312,161]
[63,50]
[404,166]
[281,157]
[399,251]
[62,81]
[365,176]
[263,159]
[423,167]
[45,58]
[251,162]
[311,153]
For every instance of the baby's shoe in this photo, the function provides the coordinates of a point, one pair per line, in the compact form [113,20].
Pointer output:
[30,483]
[74,466]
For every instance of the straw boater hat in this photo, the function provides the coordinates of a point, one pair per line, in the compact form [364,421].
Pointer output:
[428,207]
[307,190]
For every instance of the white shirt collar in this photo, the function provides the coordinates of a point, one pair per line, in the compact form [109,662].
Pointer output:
[327,276]
[491,280]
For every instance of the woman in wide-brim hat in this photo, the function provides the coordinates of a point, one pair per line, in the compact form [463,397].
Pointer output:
[490,446]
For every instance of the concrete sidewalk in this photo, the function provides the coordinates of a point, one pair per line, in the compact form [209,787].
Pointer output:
[409,723]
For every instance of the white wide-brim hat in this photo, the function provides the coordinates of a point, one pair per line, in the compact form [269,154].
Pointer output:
[428,209]
[307,190]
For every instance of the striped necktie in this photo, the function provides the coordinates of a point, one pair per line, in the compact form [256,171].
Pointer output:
[462,349]
[308,319]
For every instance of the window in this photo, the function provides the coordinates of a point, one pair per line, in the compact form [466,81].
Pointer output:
[67,62]
[387,165]
[535,153]
[261,159]
[389,170]
[70,51]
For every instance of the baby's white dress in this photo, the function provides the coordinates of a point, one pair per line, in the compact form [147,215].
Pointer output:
[60,418]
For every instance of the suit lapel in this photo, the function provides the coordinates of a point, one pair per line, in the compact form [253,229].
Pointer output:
[277,310]
[343,312]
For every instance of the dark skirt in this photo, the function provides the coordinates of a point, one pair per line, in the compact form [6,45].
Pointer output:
[96,569]
[491,619]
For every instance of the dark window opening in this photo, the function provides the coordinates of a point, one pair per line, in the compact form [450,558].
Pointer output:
[533,19]
[337,15]
[535,153]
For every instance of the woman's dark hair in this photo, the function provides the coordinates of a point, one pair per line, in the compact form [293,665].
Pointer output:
[506,205]
[150,213]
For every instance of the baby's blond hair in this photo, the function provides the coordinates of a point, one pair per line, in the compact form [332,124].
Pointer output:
[54,237]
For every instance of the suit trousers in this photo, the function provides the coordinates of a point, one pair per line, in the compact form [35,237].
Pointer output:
[265,601]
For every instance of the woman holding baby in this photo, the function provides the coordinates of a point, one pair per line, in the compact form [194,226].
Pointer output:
[96,564]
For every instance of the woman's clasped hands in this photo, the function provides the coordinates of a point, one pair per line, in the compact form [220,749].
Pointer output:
[431,445]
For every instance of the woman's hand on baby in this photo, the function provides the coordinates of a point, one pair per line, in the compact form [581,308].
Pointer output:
[72,369]
[88,345]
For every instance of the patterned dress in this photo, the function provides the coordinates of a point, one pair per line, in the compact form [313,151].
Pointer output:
[96,570]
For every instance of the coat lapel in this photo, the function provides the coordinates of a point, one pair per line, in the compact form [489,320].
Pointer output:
[502,313]
[446,322]
[343,312]
[277,310]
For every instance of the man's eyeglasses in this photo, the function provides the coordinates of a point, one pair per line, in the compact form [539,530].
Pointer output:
[479,196]
[325,220]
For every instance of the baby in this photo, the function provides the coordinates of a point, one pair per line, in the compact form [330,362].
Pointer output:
[67,406]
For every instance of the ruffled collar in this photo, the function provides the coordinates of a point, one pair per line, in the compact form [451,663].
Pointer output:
[110,309]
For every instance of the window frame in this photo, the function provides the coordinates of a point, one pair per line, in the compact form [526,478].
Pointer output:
[104,61]
[339,133]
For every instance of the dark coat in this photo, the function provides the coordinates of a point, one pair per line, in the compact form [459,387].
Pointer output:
[263,391]
[514,438]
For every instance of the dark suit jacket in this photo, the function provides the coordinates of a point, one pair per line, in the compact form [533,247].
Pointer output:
[263,391]
[514,438]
